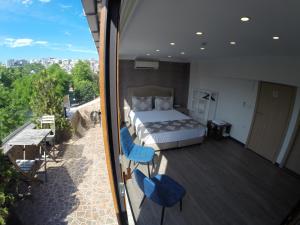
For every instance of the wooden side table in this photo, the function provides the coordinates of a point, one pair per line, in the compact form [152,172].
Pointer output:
[218,130]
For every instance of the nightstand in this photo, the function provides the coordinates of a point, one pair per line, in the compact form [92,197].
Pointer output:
[218,129]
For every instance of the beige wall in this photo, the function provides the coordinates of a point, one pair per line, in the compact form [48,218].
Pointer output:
[232,73]
[170,74]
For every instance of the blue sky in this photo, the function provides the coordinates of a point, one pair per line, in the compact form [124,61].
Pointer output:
[44,28]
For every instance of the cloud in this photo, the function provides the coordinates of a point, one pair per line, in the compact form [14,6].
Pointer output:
[67,33]
[65,6]
[21,42]
[15,43]
[72,48]
[27,42]
[26,2]
[45,1]
[41,42]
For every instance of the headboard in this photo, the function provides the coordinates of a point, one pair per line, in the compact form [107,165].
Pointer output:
[143,91]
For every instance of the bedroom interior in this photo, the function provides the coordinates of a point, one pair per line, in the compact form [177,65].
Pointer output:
[211,82]
[182,65]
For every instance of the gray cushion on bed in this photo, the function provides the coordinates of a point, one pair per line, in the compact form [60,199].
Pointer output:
[163,103]
[141,103]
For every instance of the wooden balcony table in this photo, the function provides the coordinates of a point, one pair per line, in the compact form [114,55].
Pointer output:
[26,138]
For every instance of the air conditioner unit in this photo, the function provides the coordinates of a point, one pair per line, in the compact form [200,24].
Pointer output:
[139,64]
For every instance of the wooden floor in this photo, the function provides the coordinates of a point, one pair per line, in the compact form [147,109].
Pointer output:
[225,183]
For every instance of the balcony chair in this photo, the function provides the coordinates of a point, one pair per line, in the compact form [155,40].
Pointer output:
[48,122]
[161,189]
[136,153]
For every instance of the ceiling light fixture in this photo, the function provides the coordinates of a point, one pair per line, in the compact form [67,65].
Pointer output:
[157,50]
[169,56]
[275,37]
[245,19]
[199,33]
[232,42]
[172,43]
[182,53]
[202,48]
[148,54]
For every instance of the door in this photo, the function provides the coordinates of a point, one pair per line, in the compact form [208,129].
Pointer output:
[273,109]
[293,160]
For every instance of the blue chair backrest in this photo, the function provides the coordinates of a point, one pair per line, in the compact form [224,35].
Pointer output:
[148,187]
[126,141]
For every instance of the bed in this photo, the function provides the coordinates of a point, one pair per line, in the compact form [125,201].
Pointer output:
[163,129]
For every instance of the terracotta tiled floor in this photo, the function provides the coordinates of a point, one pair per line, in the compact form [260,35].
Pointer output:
[77,191]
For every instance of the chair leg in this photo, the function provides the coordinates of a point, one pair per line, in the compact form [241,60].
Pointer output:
[153,163]
[180,206]
[162,216]
[136,166]
[142,201]
[148,170]
[129,164]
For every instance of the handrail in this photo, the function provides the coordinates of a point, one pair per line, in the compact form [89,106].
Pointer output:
[27,125]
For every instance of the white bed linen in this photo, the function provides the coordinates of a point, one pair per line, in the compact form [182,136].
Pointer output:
[138,118]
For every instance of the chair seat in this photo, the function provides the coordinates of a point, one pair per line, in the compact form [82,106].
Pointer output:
[141,154]
[169,191]
[25,165]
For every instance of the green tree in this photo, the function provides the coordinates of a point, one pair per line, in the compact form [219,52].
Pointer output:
[9,75]
[14,105]
[82,71]
[8,178]
[85,91]
[33,68]
[85,82]
[47,98]
[62,78]
[4,96]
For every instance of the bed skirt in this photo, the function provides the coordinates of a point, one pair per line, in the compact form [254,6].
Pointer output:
[176,144]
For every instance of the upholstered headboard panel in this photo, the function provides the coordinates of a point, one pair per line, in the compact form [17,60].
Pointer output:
[143,91]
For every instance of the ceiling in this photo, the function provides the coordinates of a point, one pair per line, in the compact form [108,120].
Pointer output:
[155,24]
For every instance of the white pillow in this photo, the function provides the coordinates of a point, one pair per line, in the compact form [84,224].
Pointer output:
[142,103]
[163,103]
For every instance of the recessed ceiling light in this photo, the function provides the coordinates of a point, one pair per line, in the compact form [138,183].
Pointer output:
[172,43]
[148,54]
[169,56]
[275,37]
[199,33]
[245,19]
[182,53]
[157,50]
[202,48]
[232,42]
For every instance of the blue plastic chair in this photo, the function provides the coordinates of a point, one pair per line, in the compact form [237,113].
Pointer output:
[136,153]
[161,189]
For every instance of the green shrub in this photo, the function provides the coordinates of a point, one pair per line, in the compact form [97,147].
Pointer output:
[8,177]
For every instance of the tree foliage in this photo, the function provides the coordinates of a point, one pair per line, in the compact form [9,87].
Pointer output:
[8,178]
[85,91]
[85,82]
[48,90]
[82,71]
[33,90]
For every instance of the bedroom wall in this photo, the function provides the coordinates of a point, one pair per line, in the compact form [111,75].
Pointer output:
[170,74]
[236,100]
[236,80]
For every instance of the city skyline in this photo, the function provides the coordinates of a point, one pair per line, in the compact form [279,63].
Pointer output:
[33,29]
[66,64]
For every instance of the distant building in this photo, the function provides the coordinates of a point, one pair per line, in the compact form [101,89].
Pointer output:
[66,64]
[16,63]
